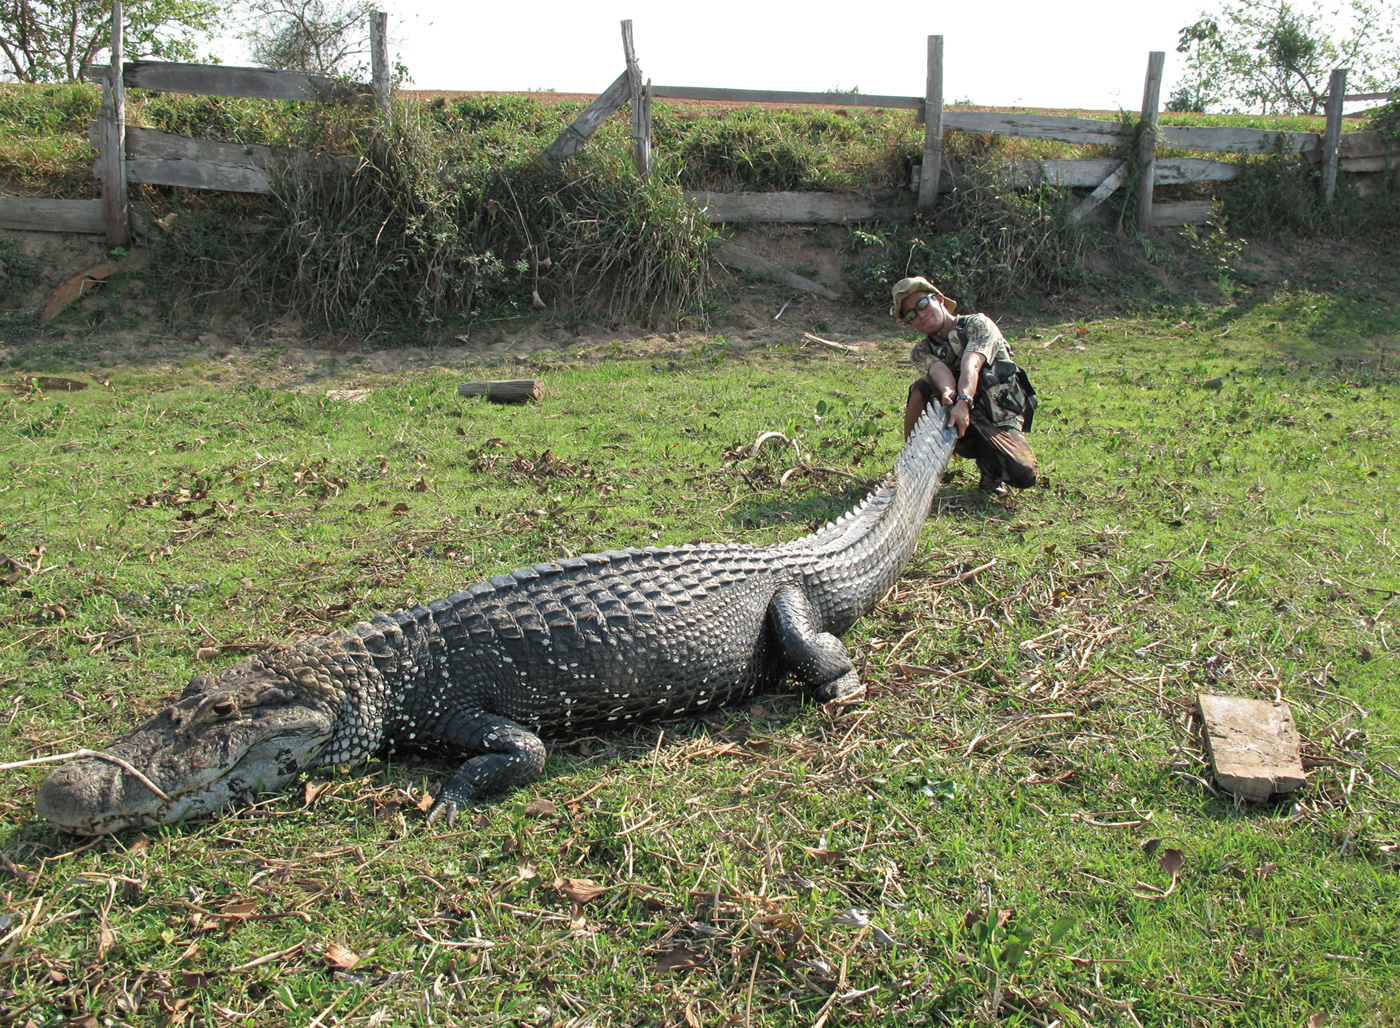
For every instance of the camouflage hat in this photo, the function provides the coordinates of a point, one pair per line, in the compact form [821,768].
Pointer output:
[905,287]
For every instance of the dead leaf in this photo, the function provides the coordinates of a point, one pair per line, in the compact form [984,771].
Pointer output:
[1318,1019]
[338,956]
[105,941]
[1149,846]
[74,286]
[400,509]
[692,1014]
[206,653]
[1171,861]
[419,486]
[679,958]
[314,790]
[579,890]
[541,808]
[238,909]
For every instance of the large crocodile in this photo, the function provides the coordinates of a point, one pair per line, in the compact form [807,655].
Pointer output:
[553,650]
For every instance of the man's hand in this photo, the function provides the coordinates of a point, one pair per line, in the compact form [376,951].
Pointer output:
[960,416]
[946,398]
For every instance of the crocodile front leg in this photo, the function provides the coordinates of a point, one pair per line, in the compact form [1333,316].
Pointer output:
[507,755]
[818,659]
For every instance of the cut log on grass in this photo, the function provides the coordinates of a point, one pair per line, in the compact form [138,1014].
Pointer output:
[1252,746]
[509,390]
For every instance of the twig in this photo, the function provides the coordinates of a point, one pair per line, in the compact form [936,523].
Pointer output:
[90,753]
[964,576]
[840,347]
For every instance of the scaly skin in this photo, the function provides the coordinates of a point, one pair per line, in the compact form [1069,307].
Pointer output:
[556,650]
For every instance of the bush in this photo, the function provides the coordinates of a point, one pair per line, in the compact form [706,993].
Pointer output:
[991,243]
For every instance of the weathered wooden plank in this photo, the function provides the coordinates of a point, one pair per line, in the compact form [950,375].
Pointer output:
[40,214]
[157,171]
[1147,138]
[253,83]
[933,126]
[1115,178]
[1252,745]
[1091,172]
[253,163]
[1181,212]
[793,208]
[1366,144]
[737,257]
[775,96]
[573,137]
[1362,165]
[1224,139]
[1034,126]
[1336,89]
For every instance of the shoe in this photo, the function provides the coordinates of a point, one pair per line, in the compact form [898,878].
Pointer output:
[992,485]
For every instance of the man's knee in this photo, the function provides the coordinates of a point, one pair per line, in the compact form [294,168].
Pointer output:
[1019,476]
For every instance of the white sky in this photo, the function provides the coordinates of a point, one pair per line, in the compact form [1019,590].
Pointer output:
[1090,53]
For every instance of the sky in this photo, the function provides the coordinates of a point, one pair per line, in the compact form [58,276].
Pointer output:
[1090,54]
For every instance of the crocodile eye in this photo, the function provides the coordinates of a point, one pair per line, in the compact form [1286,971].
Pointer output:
[225,707]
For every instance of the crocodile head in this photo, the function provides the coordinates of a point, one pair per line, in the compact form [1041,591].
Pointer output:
[248,729]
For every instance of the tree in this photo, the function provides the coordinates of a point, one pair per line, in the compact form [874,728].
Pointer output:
[1275,56]
[51,40]
[325,37]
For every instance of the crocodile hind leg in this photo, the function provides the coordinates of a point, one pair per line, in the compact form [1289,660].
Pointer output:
[818,659]
[507,755]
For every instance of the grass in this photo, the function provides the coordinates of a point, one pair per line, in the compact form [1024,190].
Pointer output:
[972,844]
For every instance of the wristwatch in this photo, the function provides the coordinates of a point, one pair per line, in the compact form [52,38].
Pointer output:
[965,398]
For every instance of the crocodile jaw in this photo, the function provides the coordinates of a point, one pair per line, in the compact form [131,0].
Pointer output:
[203,753]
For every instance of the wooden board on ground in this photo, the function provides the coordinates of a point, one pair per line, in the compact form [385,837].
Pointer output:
[1252,746]
[744,260]
[508,390]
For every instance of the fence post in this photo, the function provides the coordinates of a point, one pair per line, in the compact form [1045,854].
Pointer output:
[933,127]
[114,190]
[1332,137]
[1147,138]
[641,105]
[379,60]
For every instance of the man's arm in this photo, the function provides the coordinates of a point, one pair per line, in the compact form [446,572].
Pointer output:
[961,415]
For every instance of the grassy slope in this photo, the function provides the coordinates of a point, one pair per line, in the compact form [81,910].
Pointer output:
[1028,729]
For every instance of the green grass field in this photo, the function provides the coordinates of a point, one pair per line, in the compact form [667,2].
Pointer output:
[990,838]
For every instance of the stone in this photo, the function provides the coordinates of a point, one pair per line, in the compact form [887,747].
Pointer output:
[1252,746]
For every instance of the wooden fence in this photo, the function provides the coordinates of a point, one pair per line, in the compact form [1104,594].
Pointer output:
[134,154]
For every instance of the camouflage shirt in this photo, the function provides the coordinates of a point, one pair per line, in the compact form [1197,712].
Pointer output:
[973,333]
[1001,403]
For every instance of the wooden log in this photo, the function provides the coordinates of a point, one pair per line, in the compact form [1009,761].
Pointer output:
[1252,745]
[1105,189]
[737,257]
[641,111]
[1147,138]
[379,61]
[1089,174]
[39,214]
[1336,89]
[573,137]
[775,96]
[509,390]
[254,83]
[1034,126]
[115,197]
[933,126]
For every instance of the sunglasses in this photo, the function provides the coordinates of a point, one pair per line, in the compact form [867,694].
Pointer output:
[918,308]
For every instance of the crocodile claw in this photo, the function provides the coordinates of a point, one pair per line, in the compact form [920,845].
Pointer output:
[846,689]
[444,807]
